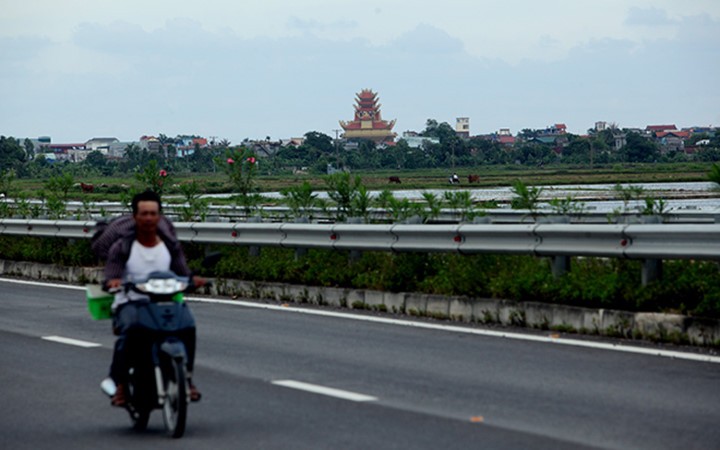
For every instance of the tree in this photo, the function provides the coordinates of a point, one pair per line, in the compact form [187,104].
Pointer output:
[203,159]
[96,160]
[715,140]
[396,155]
[6,180]
[714,175]
[38,166]
[240,165]
[343,190]
[29,148]
[639,149]
[710,154]
[369,155]
[12,155]
[526,197]
[61,185]
[484,151]
[442,131]
[532,153]
[300,199]
[527,133]
[164,142]
[319,141]
[577,151]
[153,178]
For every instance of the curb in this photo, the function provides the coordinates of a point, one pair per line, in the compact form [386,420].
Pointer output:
[657,327]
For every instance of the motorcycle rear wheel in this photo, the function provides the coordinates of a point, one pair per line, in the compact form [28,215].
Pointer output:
[176,399]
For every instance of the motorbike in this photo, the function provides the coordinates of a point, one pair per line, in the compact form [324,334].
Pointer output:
[157,355]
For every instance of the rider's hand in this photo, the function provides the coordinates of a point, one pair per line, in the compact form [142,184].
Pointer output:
[199,281]
[113,284]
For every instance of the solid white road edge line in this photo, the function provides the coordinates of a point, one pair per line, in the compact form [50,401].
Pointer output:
[430,326]
[322,390]
[70,341]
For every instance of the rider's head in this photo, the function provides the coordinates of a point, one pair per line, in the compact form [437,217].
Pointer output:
[146,207]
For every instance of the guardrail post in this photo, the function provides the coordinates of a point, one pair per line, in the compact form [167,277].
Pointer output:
[651,268]
[559,264]
[301,252]
[254,250]
[651,271]
[355,255]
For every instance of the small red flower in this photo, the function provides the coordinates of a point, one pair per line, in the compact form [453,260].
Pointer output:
[251,160]
[230,161]
[163,173]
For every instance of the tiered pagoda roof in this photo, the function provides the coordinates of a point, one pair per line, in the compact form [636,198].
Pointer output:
[368,123]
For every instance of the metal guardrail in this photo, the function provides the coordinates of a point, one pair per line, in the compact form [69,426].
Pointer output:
[633,241]
[497,215]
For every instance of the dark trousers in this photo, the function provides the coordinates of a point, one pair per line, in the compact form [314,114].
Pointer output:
[133,340]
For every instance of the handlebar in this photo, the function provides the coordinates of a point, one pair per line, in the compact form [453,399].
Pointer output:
[132,285]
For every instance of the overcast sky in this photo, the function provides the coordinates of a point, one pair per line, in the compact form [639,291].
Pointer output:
[77,69]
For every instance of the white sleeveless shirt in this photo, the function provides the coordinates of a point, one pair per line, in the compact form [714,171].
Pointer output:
[142,261]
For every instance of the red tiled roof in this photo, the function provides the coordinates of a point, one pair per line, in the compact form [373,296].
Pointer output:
[682,134]
[366,94]
[506,139]
[660,127]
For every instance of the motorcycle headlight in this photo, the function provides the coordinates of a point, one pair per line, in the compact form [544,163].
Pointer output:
[162,286]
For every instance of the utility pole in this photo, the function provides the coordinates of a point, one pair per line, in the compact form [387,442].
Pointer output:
[337,153]
[213,143]
[453,156]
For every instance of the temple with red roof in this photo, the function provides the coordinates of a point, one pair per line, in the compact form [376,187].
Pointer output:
[368,123]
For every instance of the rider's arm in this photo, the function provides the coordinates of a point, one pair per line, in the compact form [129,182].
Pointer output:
[115,265]
[179,264]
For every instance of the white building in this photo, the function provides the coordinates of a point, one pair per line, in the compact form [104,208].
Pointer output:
[100,144]
[462,126]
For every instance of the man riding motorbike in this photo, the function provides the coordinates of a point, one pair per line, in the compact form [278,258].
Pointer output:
[143,249]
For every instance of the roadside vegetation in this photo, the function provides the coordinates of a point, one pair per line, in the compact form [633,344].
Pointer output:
[42,190]
[691,288]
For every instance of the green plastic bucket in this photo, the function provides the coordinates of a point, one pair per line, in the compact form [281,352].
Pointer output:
[99,302]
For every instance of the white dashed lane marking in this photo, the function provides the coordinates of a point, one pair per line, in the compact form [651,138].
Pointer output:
[70,341]
[322,390]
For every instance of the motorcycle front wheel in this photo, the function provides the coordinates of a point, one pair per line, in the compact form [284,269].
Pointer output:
[140,418]
[138,410]
[176,397]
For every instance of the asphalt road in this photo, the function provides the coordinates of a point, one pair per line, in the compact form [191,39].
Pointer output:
[418,388]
